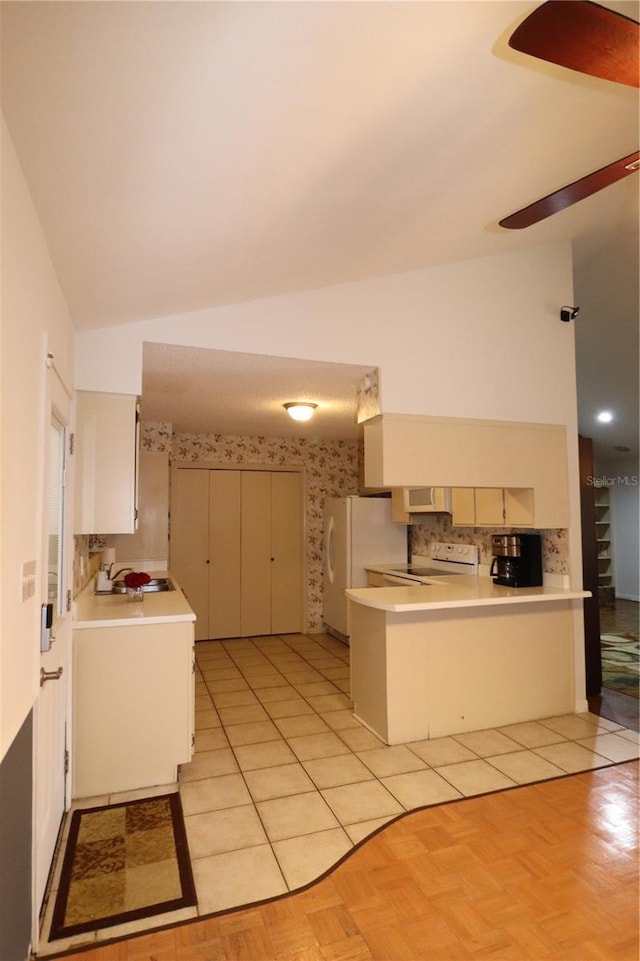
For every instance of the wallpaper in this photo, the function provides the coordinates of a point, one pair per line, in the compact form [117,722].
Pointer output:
[555,543]
[331,470]
[86,559]
[368,396]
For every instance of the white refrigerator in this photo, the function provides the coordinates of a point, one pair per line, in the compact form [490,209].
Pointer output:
[357,531]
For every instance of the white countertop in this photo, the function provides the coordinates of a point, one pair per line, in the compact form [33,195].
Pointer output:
[461,590]
[116,610]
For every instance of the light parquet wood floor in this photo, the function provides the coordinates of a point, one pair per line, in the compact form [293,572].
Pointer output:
[547,871]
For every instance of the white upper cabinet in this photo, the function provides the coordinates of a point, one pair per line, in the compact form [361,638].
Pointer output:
[106,460]
[527,461]
[492,507]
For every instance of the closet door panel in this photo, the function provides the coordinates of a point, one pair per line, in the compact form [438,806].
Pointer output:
[255,576]
[286,541]
[224,553]
[189,546]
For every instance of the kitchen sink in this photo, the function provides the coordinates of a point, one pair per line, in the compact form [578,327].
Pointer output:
[155,585]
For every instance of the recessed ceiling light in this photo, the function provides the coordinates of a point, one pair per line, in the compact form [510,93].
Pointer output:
[605,417]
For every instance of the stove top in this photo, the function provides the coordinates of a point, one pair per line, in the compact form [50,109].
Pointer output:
[443,560]
[409,570]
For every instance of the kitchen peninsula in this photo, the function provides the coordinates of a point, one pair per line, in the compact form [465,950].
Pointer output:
[133,690]
[459,655]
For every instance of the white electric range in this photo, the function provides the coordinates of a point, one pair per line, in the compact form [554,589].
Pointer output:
[442,560]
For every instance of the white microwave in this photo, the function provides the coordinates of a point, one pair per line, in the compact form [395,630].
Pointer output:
[426,500]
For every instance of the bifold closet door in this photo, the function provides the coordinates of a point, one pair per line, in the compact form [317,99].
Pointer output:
[286,552]
[190,543]
[236,550]
[256,557]
[225,504]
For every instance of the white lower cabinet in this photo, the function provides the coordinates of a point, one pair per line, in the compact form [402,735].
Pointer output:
[133,706]
[401,681]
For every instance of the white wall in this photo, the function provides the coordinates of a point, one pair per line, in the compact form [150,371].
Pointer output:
[34,320]
[491,323]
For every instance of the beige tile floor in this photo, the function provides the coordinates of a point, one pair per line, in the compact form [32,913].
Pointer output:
[285,781]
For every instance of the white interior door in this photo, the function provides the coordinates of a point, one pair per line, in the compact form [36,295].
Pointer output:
[225,504]
[256,557]
[237,549]
[286,552]
[189,544]
[53,704]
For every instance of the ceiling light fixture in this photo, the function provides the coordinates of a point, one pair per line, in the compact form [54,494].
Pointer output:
[605,417]
[300,409]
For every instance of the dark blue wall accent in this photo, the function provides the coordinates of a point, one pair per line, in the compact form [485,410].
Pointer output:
[15,846]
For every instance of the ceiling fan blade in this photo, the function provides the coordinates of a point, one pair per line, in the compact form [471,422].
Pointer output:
[582,36]
[572,193]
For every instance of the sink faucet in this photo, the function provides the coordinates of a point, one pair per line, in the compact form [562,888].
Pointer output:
[122,570]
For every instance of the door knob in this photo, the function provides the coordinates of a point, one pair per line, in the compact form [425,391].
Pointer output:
[49,675]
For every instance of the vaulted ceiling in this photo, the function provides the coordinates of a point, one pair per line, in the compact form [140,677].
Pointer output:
[187,154]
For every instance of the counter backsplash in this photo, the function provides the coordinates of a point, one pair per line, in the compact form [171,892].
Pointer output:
[86,562]
[555,543]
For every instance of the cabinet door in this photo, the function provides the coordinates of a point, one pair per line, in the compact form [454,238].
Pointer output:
[133,690]
[190,542]
[106,463]
[463,506]
[286,541]
[224,553]
[256,564]
[518,506]
[489,507]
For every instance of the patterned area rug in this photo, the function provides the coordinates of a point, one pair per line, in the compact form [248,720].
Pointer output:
[621,662]
[121,863]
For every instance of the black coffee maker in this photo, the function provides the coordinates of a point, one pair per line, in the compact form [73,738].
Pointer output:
[517,560]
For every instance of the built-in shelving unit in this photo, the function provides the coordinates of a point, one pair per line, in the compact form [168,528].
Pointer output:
[606,587]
